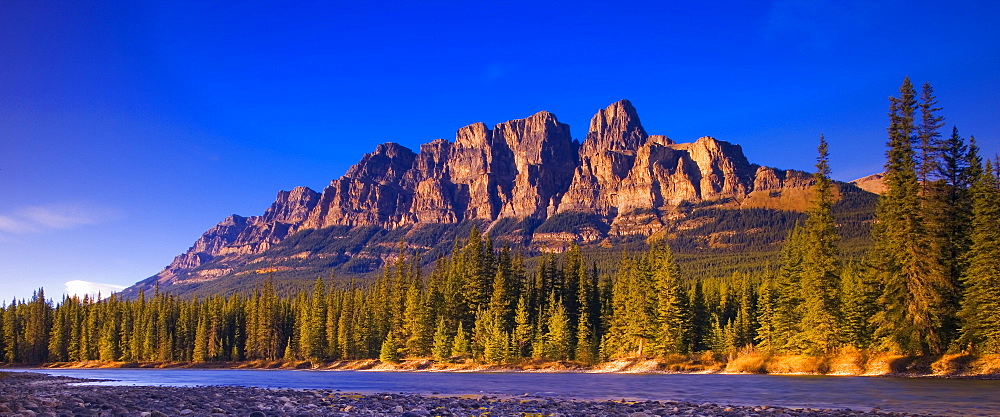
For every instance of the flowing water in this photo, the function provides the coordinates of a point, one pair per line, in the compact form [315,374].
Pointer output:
[915,395]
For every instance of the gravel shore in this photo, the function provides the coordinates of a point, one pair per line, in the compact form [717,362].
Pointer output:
[33,394]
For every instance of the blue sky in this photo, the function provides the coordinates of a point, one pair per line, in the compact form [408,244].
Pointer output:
[127,128]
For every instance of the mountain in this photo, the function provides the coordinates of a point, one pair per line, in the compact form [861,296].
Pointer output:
[874,183]
[524,182]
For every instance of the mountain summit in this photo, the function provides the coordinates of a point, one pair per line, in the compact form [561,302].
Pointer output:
[524,181]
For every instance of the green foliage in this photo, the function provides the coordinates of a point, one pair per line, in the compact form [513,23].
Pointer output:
[389,352]
[572,222]
[902,255]
[981,305]
[461,346]
[442,342]
[820,279]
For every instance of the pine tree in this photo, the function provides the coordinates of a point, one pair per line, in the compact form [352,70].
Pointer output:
[3,339]
[673,315]
[742,330]
[495,339]
[859,295]
[557,340]
[901,253]
[981,305]
[317,322]
[522,328]
[12,328]
[200,353]
[37,323]
[701,326]
[632,322]
[929,136]
[442,342]
[59,335]
[767,299]
[345,324]
[389,352]
[786,325]
[585,329]
[334,304]
[461,346]
[820,278]
[416,323]
[948,210]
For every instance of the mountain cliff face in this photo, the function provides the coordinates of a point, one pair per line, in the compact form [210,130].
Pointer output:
[507,180]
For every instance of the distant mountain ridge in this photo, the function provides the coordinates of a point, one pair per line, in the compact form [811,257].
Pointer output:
[524,181]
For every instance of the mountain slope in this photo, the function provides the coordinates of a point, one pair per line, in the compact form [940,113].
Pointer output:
[525,182]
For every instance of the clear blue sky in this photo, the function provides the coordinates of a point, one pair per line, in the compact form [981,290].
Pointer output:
[127,128]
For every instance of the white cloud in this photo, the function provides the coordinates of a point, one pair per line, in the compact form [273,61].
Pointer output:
[11,224]
[80,288]
[55,216]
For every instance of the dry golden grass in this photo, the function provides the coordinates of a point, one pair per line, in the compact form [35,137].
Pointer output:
[748,363]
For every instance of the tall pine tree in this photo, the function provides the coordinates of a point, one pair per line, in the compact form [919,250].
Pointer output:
[821,264]
[901,255]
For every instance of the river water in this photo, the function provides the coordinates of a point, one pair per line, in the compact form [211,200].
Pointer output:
[915,395]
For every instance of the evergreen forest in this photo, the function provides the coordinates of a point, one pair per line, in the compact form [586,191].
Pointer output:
[929,284]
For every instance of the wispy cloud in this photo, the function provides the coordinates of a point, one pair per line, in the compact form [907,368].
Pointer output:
[80,288]
[55,216]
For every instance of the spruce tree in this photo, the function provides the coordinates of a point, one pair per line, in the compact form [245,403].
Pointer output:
[521,338]
[389,352]
[461,346]
[929,137]
[787,311]
[557,339]
[345,324]
[200,353]
[442,342]
[673,314]
[701,326]
[585,329]
[317,322]
[981,304]
[12,329]
[948,208]
[766,301]
[416,323]
[859,296]
[820,278]
[901,253]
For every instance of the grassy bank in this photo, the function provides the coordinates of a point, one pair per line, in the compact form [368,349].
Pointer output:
[845,363]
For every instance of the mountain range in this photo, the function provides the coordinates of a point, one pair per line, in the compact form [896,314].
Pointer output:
[526,183]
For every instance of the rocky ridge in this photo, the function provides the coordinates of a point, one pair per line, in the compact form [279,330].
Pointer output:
[526,170]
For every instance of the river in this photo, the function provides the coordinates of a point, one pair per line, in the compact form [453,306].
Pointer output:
[915,395]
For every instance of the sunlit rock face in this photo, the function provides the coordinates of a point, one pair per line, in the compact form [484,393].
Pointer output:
[532,168]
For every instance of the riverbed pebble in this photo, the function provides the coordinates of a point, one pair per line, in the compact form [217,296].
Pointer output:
[33,394]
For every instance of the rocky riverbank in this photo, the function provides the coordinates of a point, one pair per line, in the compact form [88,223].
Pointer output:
[33,394]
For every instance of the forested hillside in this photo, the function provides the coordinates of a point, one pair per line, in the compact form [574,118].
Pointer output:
[929,283]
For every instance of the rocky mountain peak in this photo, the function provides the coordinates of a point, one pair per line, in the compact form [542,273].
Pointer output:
[614,128]
[631,182]
[386,164]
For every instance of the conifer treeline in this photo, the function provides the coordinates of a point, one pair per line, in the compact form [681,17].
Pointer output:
[930,284]
[478,303]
